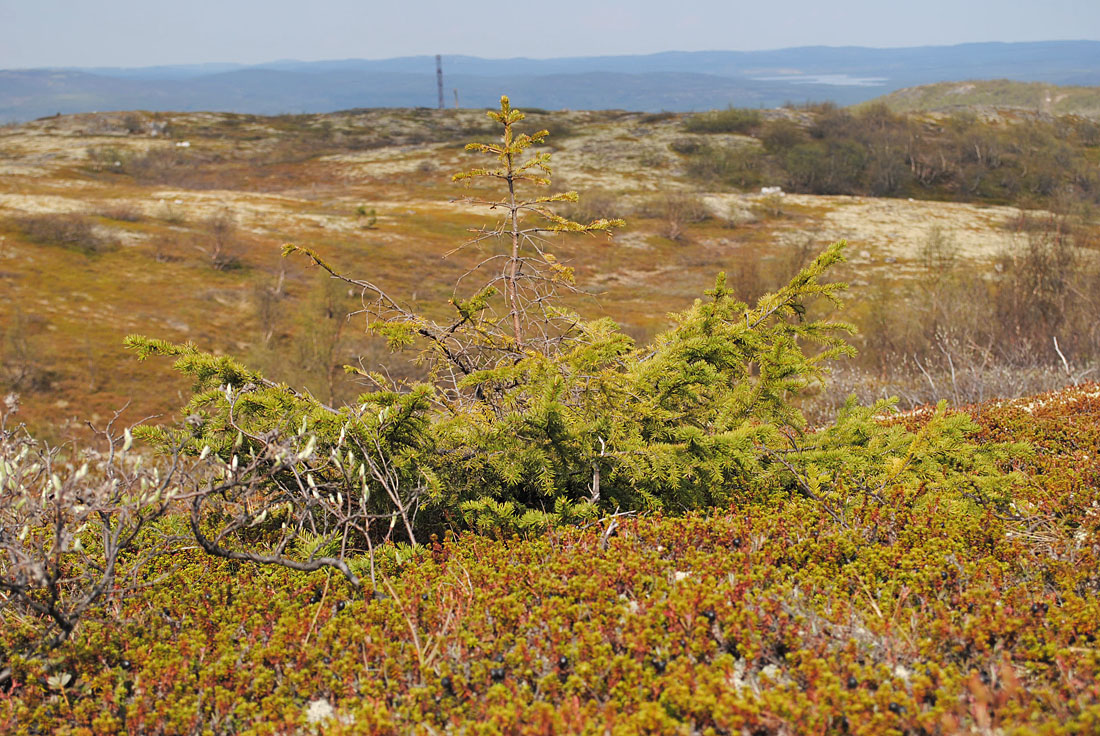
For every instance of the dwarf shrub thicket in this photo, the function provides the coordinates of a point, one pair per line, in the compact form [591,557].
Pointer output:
[767,618]
[534,416]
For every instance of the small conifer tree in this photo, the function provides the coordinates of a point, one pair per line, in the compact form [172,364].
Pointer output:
[529,274]
[514,310]
[533,416]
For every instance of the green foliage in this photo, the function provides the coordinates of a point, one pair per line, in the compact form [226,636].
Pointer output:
[730,120]
[675,424]
[521,430]
[297,481]
[873,151]
[369,217]
[209,371]
[770,616]
[233,408]
[743,166]
[862,461]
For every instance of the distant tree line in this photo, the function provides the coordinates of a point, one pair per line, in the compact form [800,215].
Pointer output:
[875,152]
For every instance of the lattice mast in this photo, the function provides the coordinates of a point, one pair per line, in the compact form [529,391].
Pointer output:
[439,78]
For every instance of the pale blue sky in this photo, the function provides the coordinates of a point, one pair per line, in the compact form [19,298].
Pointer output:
[37,33]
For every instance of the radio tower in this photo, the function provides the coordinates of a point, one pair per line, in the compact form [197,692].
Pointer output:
[439,78]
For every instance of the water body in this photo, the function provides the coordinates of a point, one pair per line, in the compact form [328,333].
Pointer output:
[833,80]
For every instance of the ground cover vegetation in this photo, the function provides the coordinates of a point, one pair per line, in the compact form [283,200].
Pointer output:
[189,210]
[766,617]
[555,527]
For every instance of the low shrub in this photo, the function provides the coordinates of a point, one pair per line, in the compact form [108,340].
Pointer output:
[658,117]
[731,120]
[764,616]
[69,532]
[742,166]
[676,211]
[122,212]
[22,368]
[781,134]
[74,231]
[218,241]
[686,146]
[533,417]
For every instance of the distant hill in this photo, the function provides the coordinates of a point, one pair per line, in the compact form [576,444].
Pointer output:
[1001,94]
[674,80]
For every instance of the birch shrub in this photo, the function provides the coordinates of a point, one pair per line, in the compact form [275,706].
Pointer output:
[75,531]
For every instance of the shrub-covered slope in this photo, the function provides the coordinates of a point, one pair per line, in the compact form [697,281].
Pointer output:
[998,94]
[766,619]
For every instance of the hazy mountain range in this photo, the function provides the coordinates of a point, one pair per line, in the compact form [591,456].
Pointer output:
[675,80]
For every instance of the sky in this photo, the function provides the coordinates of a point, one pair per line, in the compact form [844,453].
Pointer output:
[89,33]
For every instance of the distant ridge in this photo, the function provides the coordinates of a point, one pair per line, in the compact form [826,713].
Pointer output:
[672,80]
[998,94]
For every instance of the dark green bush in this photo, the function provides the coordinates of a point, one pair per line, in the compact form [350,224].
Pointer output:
[875,152]
[781,134]
[731,120]
[743,166]
[535,417]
